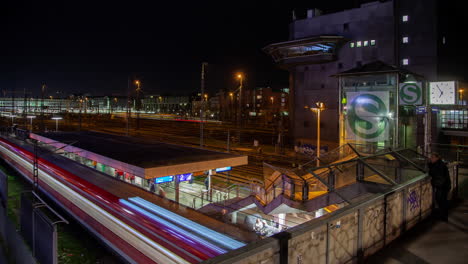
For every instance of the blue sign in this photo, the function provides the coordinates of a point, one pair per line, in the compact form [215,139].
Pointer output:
[164,179]
[435,109]
[223,169]
[420,110]
[185,177]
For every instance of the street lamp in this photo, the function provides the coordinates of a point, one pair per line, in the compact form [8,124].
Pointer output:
[461,95]
[56,118]
[239,114]
[320,107]
[137,103]
[31,117]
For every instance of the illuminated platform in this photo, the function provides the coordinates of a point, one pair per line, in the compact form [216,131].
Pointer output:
[142,158]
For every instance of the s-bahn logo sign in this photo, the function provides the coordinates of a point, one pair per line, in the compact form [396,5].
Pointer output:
[367,116]
[410,93]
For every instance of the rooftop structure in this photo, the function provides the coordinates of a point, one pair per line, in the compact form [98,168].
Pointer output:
[142,158]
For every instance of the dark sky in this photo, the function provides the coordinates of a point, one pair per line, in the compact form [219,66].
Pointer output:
[92,47]
[79,46]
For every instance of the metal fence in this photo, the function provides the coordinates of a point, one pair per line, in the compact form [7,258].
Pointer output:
[16,249]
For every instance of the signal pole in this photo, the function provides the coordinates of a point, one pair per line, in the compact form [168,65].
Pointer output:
[202,97]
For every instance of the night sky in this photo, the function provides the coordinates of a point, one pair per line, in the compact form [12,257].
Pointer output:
[92,47]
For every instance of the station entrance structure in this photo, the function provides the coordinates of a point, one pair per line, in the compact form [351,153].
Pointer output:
[348,175]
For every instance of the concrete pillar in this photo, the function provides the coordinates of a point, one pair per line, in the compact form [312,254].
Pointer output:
[234,217]
[177,185]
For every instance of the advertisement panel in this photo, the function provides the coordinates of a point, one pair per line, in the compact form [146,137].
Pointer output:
[367,116]
[411,93]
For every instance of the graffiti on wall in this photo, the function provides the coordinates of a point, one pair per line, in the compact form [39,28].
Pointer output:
[413,200]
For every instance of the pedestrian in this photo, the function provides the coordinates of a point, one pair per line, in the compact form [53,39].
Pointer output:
[440,180]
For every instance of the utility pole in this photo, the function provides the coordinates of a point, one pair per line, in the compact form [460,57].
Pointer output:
[128,106]
[25,108]
[43,88]
[80,100]
[202,97]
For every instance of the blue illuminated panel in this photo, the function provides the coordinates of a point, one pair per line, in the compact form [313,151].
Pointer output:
[185,177]
[223,169]
[164,179]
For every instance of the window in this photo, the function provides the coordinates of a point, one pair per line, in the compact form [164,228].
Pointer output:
[372,42]
[405,40]
[358,44]
[345,27]
[366,43]
[351,45]
[259,97]
[405,61]
[340,65]
[405,18]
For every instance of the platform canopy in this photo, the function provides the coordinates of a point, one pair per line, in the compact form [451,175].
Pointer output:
[143,158]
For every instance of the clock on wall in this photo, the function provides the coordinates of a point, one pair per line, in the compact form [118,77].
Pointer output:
[442,93]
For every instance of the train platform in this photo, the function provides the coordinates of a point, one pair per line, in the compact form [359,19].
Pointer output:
[141,158]
[125,191]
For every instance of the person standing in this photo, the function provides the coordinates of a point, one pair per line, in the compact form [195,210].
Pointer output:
[440,180]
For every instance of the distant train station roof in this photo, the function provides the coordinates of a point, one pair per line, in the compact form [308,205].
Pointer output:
[144,158]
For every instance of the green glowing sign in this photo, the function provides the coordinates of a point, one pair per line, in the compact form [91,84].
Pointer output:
[410,94]
[368,115]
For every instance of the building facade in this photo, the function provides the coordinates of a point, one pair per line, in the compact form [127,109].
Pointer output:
[401,40]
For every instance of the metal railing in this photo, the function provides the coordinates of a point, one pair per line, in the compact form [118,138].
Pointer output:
[349,234]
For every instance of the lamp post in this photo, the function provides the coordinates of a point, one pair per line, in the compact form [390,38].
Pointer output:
[31,117]
[239,114]
[320,107]
[137,104]
[56,118]
[461,95]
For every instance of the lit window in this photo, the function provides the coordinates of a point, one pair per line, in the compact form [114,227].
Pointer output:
[351,44]
[259,97]
[405,61]
[358,44]
[372,42]
[404,18]
[366,43]
[405,40]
